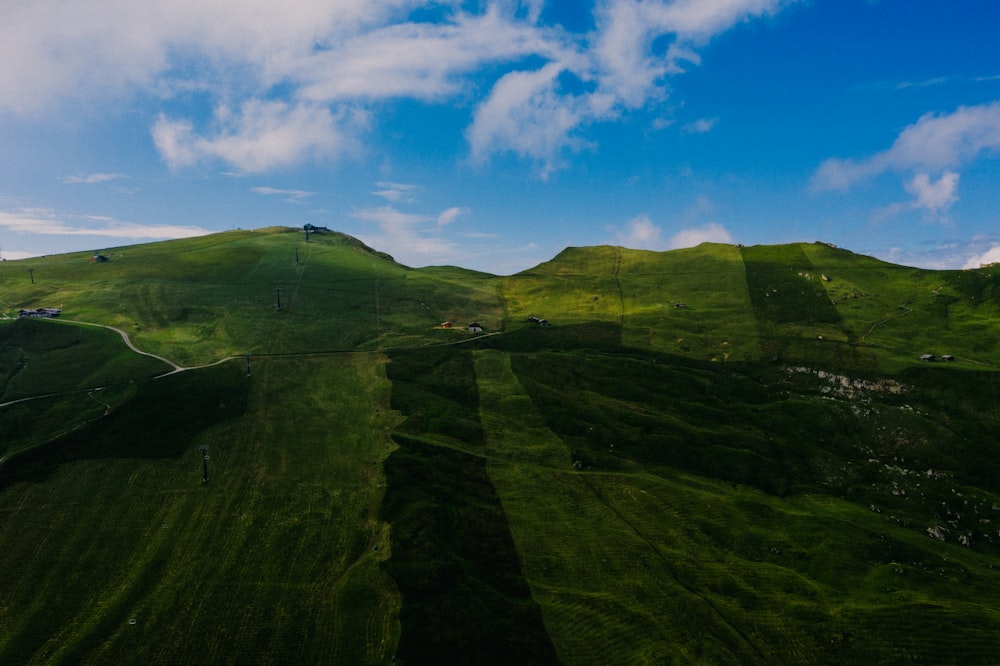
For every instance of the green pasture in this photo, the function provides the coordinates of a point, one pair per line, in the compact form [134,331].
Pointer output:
[715,455]
[667,567]
[199,300]
[42,357]
[203,299]
[124,555]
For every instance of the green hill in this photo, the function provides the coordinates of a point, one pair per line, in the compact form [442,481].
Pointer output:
[716,455]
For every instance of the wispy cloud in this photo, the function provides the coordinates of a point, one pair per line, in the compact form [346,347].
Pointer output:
[449,215]
[935,144]
[47,222]
[640,233]
[260,136]
[700,126]
[396,192]
[291,196]
[927,83]
[933,196]
[414,238]
[410,238]
[713,232]
[990,256]
[948,254]
[92,178]
[525,114]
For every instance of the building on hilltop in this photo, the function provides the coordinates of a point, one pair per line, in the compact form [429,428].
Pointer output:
[40,313]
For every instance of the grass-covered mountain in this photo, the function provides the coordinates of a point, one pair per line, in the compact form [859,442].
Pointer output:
[716,455]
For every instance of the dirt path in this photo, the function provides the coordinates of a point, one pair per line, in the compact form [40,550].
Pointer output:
[176,368]
[180,368]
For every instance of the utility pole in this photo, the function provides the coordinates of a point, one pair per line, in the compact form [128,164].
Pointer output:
[278,292]
[204,462]
[31,272]
[296,255]
[249,369]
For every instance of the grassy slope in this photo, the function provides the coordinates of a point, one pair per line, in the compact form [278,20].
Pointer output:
[276,559]
[725,508]
[38,357]
[648,564]
[199,300]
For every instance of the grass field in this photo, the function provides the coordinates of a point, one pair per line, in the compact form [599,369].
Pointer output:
[715,455]
[276,559]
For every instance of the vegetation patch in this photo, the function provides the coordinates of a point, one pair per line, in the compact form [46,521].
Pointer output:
[465,599]
[153,419]
[715,455]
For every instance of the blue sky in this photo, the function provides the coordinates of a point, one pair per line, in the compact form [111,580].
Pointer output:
[491,135]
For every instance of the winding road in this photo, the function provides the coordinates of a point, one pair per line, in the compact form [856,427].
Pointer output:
[180,368]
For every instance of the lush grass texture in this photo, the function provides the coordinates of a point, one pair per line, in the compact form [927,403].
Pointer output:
[465,599]
[768,474]
[38,357]
[199,300]
[275,560]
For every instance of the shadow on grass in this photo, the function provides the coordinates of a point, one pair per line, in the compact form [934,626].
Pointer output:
[159,419]
[465,600]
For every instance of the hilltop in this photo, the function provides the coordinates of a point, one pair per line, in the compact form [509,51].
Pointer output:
[724,454]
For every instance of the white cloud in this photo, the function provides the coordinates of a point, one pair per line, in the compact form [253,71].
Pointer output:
[263,135]
[990,256]
[526,115]
[289,80]
[410,238]
[713,232]
[936,81]
[700,20]
[526,112]
[92,178]
[47,222]
[14,255]
[291,196]
[700,126]
[54,50]
[415,239]
[449,215]
[944,254]
[935,197]
[396,192]
[641,233]
[388,217]
[418,60]
[933,144]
